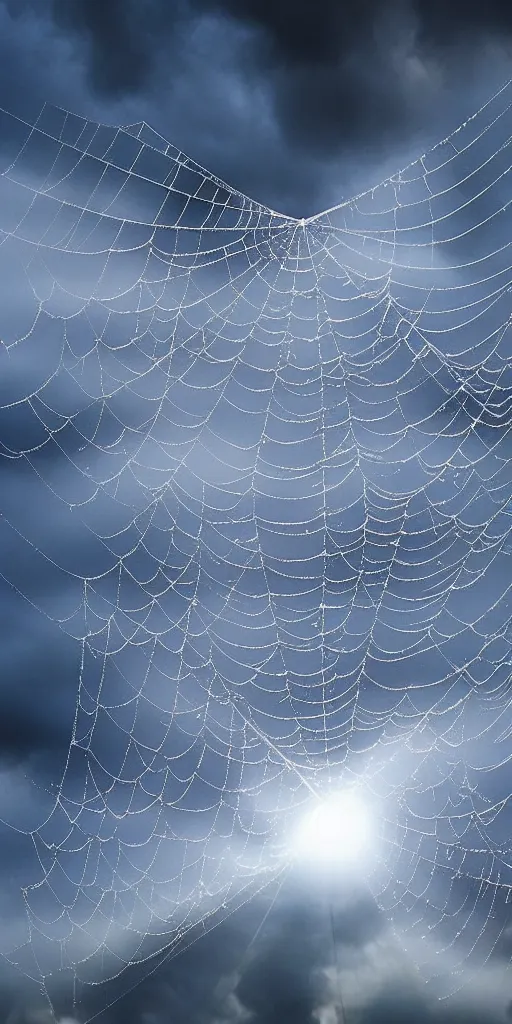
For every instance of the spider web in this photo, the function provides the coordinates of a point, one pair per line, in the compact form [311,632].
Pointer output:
[271,467]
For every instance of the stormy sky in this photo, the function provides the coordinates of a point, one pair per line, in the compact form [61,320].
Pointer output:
[290,108]
[252,528]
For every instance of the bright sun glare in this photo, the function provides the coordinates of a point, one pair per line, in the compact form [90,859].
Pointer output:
[336,831]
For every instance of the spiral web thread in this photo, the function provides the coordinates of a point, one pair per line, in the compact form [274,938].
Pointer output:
[270,468]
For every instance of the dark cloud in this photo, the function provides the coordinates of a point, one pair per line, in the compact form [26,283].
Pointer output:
[399,1007]
[449,22]
[281,963]
[289,960]
[120,37]
[341,75]
[330,29]
[31,733]
[294,103]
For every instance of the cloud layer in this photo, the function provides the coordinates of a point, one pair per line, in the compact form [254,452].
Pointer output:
[339,76]
[292,102]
